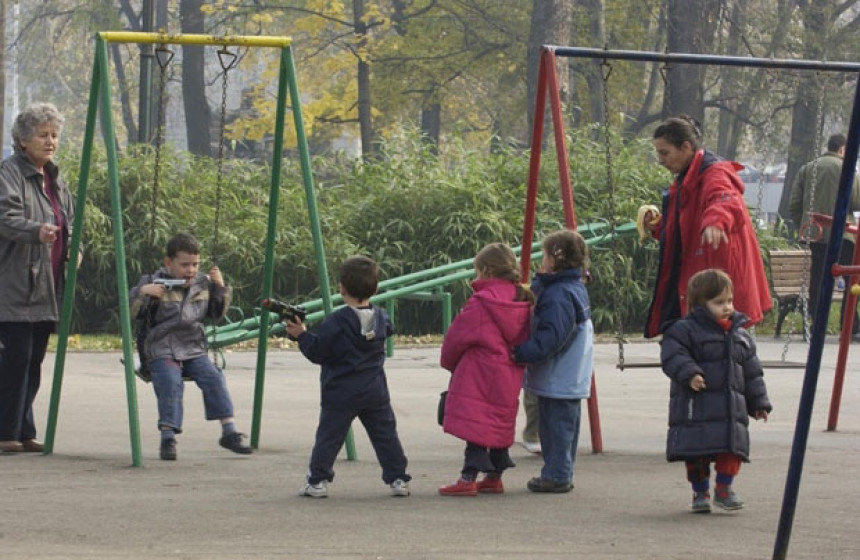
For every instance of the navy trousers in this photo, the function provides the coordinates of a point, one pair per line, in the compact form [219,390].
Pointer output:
[381,427]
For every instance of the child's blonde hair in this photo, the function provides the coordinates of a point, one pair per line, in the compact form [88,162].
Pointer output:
[707,284]
[567,249]
[498,260]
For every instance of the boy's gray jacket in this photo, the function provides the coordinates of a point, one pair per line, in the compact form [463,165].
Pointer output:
[27,291]
[176,330]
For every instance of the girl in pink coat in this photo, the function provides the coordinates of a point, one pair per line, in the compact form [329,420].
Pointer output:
[483,395]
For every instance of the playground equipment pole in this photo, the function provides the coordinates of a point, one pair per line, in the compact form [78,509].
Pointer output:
[845,335]
[269,264]
[548,80]
[72,267]
[816,343]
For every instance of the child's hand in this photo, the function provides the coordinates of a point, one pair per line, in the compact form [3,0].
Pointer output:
[215,276]
[156,291]
[697,382]
[295,327]
[760,415]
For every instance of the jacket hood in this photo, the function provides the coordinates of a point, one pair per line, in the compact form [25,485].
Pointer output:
[705,162]
[364,326]
[497,297]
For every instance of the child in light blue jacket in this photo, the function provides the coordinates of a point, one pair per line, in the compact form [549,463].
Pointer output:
[559,356]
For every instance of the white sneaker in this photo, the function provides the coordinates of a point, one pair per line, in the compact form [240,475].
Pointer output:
[399,488]
[532,446]
[318,490]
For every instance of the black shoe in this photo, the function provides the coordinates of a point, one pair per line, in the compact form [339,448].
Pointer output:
[167,452]
[538,484]
[233,442]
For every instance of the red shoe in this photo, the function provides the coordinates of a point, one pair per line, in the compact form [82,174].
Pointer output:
[491,485]
[460,488]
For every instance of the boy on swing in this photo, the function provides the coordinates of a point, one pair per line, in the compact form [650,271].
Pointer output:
[175,343]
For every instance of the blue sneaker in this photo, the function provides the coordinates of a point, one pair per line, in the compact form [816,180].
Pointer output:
[727,499]
[701,502]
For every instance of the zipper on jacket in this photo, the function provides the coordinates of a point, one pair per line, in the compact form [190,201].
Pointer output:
[690,409]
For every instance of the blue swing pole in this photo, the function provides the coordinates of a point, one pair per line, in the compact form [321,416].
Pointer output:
[816,343]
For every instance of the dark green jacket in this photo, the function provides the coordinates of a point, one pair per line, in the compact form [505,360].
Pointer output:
[827,169]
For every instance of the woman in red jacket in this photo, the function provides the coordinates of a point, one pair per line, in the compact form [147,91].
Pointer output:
[483,395]
[704,224]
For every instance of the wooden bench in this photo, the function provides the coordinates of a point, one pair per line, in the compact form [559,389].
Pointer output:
[787,268]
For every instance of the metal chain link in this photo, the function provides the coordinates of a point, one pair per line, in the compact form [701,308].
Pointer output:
[606,71]
[164,56]
[807,257]
[228,61]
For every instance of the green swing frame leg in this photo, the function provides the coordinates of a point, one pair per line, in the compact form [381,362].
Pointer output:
[100,92]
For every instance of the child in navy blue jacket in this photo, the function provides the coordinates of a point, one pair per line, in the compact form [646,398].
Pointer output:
[350,347]
[717,383]
[559,356]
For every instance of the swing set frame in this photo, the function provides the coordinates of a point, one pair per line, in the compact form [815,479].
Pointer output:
[548,83]
[100,98]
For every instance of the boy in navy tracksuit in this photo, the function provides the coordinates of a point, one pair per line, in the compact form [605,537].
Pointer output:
[350,347]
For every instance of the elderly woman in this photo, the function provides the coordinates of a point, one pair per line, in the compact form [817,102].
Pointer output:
[36,212]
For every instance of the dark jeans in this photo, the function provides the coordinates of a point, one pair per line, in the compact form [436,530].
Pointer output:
[169,389]
[381,427]
[559,437]
[816,270]
[22,349]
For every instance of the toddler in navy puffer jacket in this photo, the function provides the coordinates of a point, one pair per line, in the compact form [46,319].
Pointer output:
[717,382]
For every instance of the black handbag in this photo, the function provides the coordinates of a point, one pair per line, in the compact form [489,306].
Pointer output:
[440,408]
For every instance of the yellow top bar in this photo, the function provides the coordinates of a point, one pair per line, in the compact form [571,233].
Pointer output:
[180,39]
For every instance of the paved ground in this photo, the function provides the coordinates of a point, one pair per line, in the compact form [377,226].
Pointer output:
[86,502]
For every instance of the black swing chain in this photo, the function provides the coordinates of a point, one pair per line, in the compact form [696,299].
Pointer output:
[227,60]
[164,56]
[807,227]
[617,262]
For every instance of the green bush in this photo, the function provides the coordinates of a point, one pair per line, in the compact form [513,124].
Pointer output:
[410,209]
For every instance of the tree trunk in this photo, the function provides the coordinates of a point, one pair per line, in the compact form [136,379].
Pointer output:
[365,118]
[550,25]
[431,118]
[2,74]
[689,31]
[729,126]
[594,10]
[198,115]
[805,123]
[124,97]
[144,102]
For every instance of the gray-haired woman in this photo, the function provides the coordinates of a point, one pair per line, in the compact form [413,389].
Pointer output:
[36,213]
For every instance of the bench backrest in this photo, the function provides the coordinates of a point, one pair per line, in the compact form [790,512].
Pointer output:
[787,269]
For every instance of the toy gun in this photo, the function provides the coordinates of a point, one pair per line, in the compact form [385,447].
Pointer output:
[170,283]
[286,311]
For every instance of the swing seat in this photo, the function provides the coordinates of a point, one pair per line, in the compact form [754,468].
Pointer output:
[766,364]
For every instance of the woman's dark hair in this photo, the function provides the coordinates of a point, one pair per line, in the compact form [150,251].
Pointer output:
[706,285]
[680,129]
[567,249]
